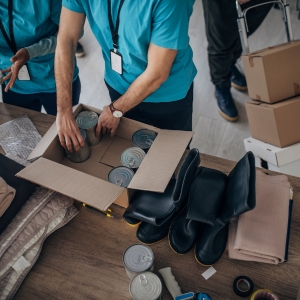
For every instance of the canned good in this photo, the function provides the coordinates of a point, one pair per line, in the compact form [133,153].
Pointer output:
[88,121]
[143,138]
[145,286]
[132,157]
[121,176]
[1,78]
[138,259]
[84,152]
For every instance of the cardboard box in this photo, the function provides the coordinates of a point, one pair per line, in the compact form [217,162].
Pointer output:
[277,124]
[87,181]
[283,160]
[273,74]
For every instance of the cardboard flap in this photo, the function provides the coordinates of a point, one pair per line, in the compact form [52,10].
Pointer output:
[44,143]
[161,161]
[72,183]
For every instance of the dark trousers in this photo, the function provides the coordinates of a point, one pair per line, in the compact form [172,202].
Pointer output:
[36,101]
[224,45]
[176,115]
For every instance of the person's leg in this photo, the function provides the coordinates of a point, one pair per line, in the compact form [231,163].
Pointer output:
[175,115]
[29,101]
[49,100]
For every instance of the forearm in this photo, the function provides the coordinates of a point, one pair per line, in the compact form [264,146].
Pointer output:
[139,90]
[43,47]
[64,70]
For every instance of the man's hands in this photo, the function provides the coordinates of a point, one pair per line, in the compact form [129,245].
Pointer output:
[107,123]
[19,60]
[68,132]
[243,1]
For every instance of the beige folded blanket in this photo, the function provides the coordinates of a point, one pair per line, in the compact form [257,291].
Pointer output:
[260,235]
[7,194]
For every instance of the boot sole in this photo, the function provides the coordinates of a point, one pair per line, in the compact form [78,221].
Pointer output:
[227,118]
[199,262]
[133,225]
[239,88]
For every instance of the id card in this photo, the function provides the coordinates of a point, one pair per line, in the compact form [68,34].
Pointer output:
[24,74]
[116,62]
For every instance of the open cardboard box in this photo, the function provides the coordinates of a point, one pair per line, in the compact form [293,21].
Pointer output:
[87,181]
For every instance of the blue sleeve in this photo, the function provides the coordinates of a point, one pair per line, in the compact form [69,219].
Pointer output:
[55,7]
[170,23]
[74,5]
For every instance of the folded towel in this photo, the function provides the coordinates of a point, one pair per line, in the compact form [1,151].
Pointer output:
[260,235]
[7,194]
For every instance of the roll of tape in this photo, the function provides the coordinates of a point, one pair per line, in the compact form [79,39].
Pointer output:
[263,295]
[243,286]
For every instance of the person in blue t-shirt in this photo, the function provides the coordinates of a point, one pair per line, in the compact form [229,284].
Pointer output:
[27,43]
[149,69]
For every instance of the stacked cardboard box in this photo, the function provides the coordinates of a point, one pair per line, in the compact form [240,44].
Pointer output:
[273,77]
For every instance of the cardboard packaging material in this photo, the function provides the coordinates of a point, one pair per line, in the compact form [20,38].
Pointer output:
[277,124]
[87,181]
[273,74]
[283,160]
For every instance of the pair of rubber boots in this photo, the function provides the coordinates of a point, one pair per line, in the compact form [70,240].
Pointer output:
[158,210]
[214,199]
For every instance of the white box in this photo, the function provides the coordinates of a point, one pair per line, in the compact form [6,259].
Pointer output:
[284,160]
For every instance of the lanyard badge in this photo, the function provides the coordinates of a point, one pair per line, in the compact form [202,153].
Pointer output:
[116,59]
[10,40]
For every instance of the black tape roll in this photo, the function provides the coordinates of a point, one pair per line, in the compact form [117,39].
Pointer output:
[243,286]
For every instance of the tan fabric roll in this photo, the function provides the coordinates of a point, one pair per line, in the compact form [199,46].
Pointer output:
[7,194]
[260,235]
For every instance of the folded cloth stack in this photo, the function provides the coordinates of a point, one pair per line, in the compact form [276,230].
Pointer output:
[261,234]
[7,194]
[21,242]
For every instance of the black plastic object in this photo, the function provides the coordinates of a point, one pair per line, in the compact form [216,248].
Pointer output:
[24,189]
[243,286]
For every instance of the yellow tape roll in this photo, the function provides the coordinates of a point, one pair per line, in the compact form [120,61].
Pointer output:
[259,294]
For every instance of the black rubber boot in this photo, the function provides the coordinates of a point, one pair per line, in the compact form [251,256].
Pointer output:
[227,108]
[205,199]
[240,198]
[238,80]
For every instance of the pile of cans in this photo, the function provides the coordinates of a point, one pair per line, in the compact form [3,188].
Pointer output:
[132,157]
[87,122]
[139,265]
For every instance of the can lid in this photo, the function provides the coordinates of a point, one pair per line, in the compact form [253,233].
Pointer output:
[138,258]
[132,157]
[145,286]
[121,176]
[83,133]
[143,138]
[86,119]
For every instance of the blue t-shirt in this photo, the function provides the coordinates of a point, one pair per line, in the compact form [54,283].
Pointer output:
[165,23]
[32,21]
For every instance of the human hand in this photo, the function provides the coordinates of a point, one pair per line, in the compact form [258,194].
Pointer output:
[243,1]
[19,60]
[107,122]
[68,132]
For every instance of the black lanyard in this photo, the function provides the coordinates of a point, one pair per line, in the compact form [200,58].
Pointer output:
[10,40]
[114,31]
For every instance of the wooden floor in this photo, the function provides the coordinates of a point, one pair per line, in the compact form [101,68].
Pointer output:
[213,135]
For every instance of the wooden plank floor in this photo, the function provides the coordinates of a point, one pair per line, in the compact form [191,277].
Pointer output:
[213,135]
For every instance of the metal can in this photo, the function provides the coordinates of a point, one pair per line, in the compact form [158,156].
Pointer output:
[84,152]
[132,157]
[145,286]
[138,259]
[1,78]
[143,138]
[88,121]
[121,176]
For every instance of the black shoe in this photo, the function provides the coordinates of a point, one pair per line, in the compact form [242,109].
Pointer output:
[238,80]
[227,108]
[240,198]
[79,51]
